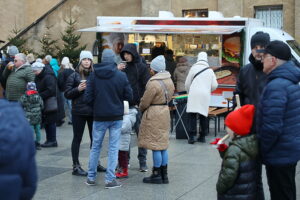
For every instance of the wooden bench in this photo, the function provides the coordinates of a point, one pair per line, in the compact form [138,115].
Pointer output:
[216,114]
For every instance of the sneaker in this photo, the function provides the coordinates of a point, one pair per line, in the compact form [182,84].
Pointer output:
[113,184]
[90,182]
[143,168]
[100,168]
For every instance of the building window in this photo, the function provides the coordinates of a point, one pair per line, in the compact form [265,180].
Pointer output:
[195,13]
[270,15]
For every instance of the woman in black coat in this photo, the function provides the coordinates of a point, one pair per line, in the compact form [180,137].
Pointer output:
[46,85]
[82,112]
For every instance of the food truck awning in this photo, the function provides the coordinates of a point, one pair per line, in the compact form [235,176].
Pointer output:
[165,29]
[167,25]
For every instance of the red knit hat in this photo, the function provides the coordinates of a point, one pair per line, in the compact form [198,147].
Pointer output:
[240,120]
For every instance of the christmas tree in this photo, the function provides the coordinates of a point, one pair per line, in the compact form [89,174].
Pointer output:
[48,45]
[19,42]
[71,47]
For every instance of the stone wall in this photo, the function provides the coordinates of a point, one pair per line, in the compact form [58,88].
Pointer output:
[85,14]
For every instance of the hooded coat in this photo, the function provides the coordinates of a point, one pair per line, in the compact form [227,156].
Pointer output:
[199,89]
[155,125]
[278,116]
[55,66]
[137,73]
[18,173]
[107,88]
[237,178]
[181,71]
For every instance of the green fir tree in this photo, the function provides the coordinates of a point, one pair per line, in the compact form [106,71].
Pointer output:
[19,42]
[71,47]
[48,45]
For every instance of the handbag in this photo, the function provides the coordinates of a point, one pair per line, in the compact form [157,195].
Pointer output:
[50,105]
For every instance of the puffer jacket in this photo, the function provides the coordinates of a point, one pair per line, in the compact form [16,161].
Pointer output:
[18,173]
[127,124]
[137,73]
[16,81]
[79,106]
[32,104]
[180,74]
[237,178]
[278,116]
[155,124]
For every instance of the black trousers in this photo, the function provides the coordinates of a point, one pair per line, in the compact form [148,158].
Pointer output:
[281,180]
[79,122]
[192,125]
[50,130]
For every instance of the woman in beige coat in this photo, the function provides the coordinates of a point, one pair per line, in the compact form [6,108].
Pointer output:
[155,124]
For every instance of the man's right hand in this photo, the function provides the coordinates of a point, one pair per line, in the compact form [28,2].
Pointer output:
[10,66]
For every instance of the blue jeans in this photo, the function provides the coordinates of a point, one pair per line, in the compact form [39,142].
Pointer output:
[99,130]
[160,158]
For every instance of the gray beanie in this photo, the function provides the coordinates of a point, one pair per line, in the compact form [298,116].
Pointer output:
[37,66]
[158,64]
[85,54]
[13,50]
[108,56]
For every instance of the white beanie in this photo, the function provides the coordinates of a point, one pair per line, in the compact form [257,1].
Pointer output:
[65,61]
[37,66]
[85,54]
[158,64]
[202,56]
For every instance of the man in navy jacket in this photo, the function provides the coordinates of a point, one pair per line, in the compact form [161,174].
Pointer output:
[18,174]
[279,120]
[106,90]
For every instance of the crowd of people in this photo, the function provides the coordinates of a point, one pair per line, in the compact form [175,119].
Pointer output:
[122,94]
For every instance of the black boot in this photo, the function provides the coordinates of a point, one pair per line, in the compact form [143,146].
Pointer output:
[78,171]
[155,176]
[164,174]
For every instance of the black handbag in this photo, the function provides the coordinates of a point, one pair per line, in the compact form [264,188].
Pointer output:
[50,105]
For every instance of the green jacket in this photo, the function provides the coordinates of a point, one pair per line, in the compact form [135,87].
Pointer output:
[16,81]
[32,105]
[239,169]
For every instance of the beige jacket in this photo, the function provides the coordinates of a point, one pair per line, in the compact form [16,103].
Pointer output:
[155,124]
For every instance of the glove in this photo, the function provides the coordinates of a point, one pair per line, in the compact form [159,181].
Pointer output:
[215,141]
[222,147]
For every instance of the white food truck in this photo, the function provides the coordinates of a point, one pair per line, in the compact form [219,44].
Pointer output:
[226,40]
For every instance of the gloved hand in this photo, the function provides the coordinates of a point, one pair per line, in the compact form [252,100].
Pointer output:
[222,147]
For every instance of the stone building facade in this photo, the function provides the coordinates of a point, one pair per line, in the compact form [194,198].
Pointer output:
[22,13]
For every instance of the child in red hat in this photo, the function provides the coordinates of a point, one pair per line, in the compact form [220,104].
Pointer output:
[237,176]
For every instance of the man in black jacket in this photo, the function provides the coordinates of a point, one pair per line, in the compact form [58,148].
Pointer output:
[250,84]
[138,76]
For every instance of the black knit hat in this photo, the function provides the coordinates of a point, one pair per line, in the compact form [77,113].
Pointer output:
[260,38]
[277,49]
